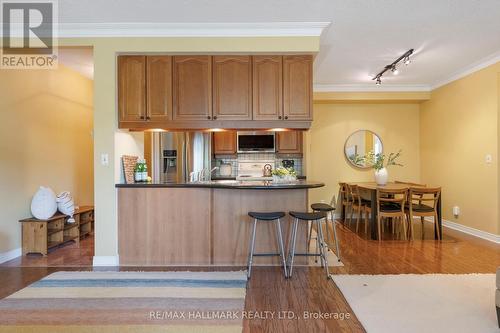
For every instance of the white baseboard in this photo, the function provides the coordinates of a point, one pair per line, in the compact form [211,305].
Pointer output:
[471,231]
[468,230]
[106,261]
[9,255]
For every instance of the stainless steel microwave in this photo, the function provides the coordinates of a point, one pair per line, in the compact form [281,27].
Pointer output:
[256,142]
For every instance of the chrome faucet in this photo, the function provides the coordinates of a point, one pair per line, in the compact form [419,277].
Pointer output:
[205,174]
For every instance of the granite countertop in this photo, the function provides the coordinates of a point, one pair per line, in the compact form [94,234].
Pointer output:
[231,184]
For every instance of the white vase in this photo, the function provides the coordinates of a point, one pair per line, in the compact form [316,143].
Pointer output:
[44,205]
[381,176]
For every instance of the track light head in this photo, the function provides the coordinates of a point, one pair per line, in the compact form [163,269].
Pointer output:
[393,67]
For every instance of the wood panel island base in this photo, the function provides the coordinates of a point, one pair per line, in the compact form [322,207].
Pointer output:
[204,224]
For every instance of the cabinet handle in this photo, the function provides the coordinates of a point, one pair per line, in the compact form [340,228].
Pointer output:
[286,117]
[148,118]
[279,117]
[208,117]
[215,117]
[142,117]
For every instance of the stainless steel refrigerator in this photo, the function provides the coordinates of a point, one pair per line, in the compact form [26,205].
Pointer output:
[182,153]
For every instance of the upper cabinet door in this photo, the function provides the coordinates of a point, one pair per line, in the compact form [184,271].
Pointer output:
[159,88]
[297,87]
[192,87]
[232,87]
[267,87]
[132,88]
[224,142]
[289,142]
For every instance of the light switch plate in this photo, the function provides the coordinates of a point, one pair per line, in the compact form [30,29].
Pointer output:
[104,159]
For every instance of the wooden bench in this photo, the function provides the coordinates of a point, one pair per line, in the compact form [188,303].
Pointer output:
[41,235]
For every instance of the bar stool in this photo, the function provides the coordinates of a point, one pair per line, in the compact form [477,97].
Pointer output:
[327,209]
[272,216]
[314,218]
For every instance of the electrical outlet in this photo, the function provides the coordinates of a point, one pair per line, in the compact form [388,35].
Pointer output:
[488,159]
[104,159]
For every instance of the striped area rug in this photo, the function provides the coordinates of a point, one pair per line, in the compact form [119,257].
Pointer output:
[80,302]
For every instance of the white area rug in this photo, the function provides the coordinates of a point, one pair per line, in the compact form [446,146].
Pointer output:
[422,303]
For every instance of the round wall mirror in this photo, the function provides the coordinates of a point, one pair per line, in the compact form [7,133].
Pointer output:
[360,143]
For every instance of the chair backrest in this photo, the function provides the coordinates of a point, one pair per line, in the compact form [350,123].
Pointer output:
[429,195]
[354,195]
[343,193]
[388,196]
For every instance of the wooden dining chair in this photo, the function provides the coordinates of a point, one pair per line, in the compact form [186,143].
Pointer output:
[344,199]
[423,202]
[410,221]
[356,204]
[391,204]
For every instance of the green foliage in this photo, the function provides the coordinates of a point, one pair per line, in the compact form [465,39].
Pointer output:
[357,159]
[282,172]
[378,161]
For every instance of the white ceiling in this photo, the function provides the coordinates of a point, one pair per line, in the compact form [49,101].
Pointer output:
[449,36]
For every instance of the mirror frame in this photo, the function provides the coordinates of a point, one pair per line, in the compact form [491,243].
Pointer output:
[345,146]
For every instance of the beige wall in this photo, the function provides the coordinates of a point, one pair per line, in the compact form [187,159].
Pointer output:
[396,124]
[459,127]
[45,130]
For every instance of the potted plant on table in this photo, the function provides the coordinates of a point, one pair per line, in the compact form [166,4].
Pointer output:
[284,175]
[379,162]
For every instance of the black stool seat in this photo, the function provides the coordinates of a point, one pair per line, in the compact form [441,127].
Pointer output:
[322,207]
[267,216]
[308,216]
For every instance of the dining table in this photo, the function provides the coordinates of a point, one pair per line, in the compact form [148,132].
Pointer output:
[368,190]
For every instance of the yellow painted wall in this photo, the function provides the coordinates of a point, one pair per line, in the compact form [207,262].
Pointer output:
[396,124]
[45,131]
[105,107]
[459,126]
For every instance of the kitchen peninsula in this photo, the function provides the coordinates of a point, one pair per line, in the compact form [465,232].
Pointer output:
[203,223]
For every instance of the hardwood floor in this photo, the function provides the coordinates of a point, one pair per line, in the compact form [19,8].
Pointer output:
[308,290]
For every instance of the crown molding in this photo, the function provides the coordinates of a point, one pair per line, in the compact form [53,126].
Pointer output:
[143,29]
[474,67]
[369,88]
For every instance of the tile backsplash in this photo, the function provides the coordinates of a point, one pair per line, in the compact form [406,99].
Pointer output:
[278,158]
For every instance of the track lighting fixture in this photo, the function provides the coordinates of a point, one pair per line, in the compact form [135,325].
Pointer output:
[393,67]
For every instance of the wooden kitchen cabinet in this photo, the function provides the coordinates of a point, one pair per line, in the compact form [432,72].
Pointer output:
[131,88]
[159,88]
[267,87]
[297,87]
[192,88]
[289,142]
[232,87]
[224,143]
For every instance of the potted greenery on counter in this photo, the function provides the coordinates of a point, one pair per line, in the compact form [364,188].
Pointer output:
[284,175]
[379,162]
